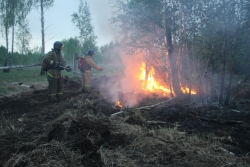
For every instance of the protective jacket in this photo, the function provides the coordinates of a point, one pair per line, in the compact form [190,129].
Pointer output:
[86,75]
[90,63]
[57,58]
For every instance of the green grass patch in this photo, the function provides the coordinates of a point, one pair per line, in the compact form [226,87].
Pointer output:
[28,76]
[31,76]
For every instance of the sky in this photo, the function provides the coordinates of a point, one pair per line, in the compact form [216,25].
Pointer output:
[59,26]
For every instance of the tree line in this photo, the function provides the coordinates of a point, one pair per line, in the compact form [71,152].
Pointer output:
[13,14]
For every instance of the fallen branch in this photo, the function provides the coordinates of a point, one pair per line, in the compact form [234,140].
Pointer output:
[221,121]
[117,113]
[156,122]
[152,106]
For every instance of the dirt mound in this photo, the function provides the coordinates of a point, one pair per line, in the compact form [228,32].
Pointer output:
[89,130]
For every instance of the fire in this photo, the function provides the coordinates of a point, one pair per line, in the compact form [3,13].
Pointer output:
[118,104]
[152,85]
[186,90]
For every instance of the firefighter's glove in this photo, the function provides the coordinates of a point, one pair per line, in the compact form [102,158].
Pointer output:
[60,68]
[100,68]
[68,68]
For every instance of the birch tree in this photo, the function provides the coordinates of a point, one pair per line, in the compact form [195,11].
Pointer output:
[19,12]
[43,5]
[11,12]
[23,37]
[6,22]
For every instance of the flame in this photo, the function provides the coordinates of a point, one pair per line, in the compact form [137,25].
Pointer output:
[186,90]
[118,104]
[152,85]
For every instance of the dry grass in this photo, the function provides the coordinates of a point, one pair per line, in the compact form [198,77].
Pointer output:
[147,147]
[166,147]
[54,154]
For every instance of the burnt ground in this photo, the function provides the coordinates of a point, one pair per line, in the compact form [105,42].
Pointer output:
[81,131]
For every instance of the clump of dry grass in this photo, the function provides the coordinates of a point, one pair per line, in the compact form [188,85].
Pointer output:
[50,154]
[165,147]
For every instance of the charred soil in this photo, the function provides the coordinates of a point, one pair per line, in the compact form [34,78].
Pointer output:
[89,130]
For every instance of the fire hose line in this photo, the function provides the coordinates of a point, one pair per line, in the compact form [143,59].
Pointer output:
[19,66]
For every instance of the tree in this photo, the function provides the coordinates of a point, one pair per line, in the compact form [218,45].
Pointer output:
[205,41]
[82,20]
[146,24]
[12,12]
[70,47]
[23,37]
[43,4]
[6,23]
[20,9]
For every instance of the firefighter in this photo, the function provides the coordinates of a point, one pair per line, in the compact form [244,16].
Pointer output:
[57,64]
[86,74]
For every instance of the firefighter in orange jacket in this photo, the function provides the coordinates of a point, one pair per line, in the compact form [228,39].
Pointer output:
[86,75]
[57,64]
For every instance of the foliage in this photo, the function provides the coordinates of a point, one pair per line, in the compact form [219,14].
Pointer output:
[23,37]
[12,12]
[21,59]
[70,47]
[46,3]
[82,20]
[207,36]
[110,53]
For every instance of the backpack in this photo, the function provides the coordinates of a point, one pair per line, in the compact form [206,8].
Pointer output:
[82,63]
[45,66]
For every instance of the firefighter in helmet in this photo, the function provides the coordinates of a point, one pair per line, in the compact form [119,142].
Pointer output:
[57,64]
[86,74]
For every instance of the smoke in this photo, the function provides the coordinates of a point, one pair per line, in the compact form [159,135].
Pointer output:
[101,20]
[124,86]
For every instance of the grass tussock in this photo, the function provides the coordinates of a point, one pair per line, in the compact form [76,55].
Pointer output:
[50,154]
[164,146]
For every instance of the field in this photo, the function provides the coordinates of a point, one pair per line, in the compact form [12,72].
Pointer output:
[90,130]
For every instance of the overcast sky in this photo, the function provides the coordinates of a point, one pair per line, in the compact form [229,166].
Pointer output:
[59,25]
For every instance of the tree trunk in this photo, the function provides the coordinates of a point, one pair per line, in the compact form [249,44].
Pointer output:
[172,59]
[223,70]
[12,44]
[6,63]
[43,34]
[228,91]
[213,96]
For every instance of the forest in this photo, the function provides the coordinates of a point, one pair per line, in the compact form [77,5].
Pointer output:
[175,89]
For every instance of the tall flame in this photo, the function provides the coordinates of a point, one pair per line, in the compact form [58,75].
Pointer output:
[149,82]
